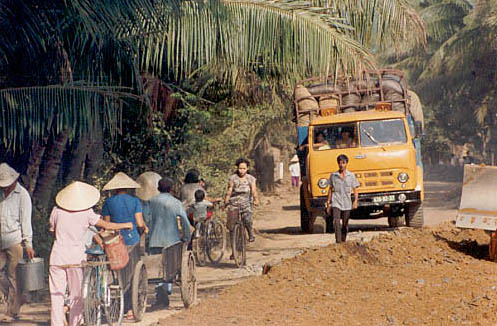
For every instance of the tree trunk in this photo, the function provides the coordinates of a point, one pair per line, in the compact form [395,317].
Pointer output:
[50,169]
[95,155]
[35,159]
[37,151]
[79,153]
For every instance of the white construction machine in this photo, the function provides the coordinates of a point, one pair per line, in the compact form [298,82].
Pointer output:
[478,208]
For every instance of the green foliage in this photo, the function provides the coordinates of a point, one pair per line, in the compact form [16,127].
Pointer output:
[455,75]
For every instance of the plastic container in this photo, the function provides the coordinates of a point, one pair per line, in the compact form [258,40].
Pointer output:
[31,274]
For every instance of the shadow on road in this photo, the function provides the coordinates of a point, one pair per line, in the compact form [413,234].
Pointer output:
[469,247]
[284,230]
[291,208]
[369,228]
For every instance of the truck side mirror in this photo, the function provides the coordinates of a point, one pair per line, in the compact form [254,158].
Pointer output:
[418,127]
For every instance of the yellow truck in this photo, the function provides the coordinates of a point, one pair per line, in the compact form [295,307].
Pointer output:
[377,122]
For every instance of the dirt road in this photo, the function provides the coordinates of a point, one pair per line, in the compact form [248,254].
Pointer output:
[279,238]
[434,276]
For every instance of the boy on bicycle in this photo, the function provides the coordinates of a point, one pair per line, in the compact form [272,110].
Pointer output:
[198,210]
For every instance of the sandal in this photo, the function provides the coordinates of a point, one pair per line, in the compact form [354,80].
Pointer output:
[129,317]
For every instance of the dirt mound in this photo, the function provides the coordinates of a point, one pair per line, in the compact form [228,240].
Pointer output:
[438,276]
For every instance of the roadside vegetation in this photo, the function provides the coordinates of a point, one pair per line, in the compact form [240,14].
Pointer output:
[89,88]
[455,76]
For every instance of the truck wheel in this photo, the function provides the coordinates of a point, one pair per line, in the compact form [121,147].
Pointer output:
[415,216]
[304,214]
[394,221]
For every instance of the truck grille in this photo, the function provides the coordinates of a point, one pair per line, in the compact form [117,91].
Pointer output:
[376,179]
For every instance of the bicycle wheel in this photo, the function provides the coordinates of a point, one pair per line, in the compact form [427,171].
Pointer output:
[91,292]
[199,246]
[216,241]
[139,291]
[188,278]
[113,298]
[238,244]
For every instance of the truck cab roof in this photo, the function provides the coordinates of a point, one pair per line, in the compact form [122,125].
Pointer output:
[357,116]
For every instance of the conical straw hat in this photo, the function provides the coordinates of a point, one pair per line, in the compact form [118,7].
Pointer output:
[148,181]
[294,159]
[77,196]
[121,181]
[7,175]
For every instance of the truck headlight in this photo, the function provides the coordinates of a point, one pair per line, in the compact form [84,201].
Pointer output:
[403,177]
[323,183]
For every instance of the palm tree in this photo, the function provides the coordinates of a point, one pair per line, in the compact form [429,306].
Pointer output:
[71,67]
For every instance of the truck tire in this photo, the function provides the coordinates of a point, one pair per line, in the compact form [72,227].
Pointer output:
[415,216]
[304,214]
[394,221]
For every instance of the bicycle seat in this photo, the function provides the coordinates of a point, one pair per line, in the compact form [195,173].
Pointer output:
[95,250]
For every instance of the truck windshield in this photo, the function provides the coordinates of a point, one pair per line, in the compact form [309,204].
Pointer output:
[335,136]
[381,132]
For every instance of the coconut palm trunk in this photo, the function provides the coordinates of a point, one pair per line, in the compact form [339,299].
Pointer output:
[78,160]
[50,169]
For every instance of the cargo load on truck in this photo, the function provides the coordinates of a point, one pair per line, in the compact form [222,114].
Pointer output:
[376,121]
[314,97]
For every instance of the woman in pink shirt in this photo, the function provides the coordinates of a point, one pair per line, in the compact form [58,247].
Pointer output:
[69,221]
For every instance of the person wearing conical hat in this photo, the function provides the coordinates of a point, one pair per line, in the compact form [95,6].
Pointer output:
[69,221]
[15,232]
[294,168]
[122,207]
[149,183]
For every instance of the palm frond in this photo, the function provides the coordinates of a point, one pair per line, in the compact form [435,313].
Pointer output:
[379,24]
[445,18]
[24,111]
[251,35]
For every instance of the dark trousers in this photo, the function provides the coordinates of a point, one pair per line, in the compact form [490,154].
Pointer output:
[340,231]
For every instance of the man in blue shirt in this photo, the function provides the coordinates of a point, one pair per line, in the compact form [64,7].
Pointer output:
[164,231]
[122,207]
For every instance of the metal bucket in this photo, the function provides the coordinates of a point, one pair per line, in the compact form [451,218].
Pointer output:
[31,274]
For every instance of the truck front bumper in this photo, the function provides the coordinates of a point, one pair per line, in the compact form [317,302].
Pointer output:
[376,199]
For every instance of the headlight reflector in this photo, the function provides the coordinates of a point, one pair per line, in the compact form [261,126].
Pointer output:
[323,183]
[403,177]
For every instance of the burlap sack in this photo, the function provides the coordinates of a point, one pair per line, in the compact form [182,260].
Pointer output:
[307,105]
[415,107]
[351,101]
[349,109]
[391,83]
[320,89]
[369,100]
[362,85]
[396,98]
[328,102]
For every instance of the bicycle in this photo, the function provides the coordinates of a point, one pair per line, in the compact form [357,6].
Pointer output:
[103,289]
[211,240]
[238,237]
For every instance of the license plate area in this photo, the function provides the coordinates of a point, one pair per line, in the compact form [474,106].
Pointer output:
[383,199]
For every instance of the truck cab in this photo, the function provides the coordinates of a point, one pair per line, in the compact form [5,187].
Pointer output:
[384,154]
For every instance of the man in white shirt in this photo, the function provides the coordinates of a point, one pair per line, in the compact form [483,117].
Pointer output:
[15,232]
